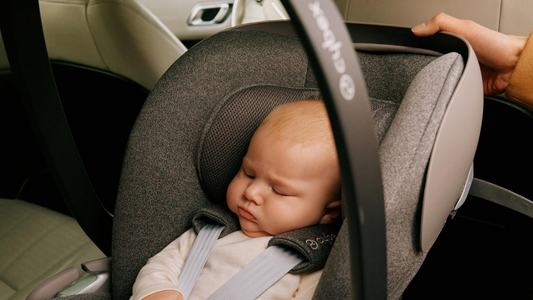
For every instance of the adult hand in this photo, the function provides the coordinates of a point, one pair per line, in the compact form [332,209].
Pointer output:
[497,53]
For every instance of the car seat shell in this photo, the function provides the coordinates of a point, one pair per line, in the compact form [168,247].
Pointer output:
[453,153]
[151,145]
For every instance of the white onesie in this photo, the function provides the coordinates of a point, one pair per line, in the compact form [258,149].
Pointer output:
[230,255]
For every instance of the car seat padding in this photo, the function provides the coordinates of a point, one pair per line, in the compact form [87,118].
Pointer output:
[216,214]
[230,127]
[404,155]
[159,188]
[313,243]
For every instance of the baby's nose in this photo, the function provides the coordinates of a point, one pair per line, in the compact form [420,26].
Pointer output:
[252,193]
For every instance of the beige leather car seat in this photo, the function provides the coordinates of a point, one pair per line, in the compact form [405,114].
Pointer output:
[118,37]
[36,243]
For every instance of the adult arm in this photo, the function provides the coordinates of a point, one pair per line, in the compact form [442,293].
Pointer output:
[158,279]
[499,55]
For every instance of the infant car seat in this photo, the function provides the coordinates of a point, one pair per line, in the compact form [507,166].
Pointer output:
[190,136]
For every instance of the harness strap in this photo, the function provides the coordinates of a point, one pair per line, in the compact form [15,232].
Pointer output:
[259,275]
[250,282]
[197,257]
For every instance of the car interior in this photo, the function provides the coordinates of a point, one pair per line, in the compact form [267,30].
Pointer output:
[148,94]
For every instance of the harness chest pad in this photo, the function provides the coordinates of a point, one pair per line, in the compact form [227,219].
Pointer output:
[313,243]
[216,214]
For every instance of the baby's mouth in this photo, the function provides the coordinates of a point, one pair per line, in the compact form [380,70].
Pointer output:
[246,214]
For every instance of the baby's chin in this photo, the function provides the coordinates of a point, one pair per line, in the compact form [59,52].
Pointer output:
[254,233]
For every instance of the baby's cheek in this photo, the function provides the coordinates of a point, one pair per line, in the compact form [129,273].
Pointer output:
[232,195]
[289,220]
[306,217]
[276,218]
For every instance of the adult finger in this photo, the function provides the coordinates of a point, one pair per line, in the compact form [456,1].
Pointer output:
[439,22]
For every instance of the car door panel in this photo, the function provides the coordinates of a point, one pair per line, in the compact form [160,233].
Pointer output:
[176,15]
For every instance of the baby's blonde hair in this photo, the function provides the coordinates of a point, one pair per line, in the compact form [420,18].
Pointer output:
[305,123]
[301,122]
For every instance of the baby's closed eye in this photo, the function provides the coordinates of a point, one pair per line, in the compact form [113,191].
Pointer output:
[278,192]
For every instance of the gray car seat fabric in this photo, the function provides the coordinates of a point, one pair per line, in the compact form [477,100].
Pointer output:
[160,164]
[404,154]
[160,188]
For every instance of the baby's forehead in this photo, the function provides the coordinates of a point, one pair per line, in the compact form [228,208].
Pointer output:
[295,149]
[298,132]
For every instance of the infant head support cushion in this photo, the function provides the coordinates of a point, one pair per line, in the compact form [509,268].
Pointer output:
[228,131]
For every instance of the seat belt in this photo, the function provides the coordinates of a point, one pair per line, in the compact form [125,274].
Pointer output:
[204,243]
[250,282]
[22,32]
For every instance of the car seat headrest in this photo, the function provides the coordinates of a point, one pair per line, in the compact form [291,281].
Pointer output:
[227,133]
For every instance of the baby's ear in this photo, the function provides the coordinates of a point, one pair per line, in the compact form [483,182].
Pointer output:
[331,211]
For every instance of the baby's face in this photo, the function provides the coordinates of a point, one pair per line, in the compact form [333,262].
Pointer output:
[282,186]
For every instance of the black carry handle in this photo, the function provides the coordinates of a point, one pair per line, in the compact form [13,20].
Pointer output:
[330,49]
[20,22]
